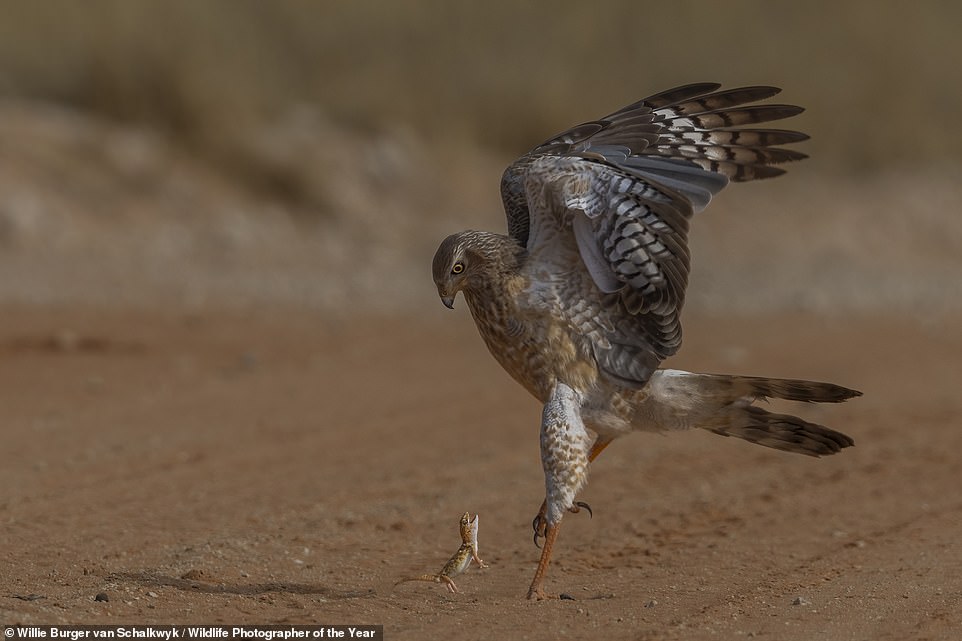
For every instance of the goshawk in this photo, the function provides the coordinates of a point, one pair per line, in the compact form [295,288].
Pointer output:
[581,301]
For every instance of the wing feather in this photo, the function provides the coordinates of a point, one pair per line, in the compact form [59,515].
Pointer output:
[626,186]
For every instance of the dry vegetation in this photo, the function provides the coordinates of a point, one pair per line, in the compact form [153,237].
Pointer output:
[502,73]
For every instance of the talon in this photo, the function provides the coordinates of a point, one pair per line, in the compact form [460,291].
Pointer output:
[539,525]
[577,508]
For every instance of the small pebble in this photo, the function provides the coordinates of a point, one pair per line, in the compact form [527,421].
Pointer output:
[651,604]
[102,597]
[801,601]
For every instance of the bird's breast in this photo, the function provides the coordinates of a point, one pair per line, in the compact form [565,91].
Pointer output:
[536,347]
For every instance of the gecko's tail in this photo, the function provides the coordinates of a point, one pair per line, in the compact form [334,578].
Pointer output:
[430,578]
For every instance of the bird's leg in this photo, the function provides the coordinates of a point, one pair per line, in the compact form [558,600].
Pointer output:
[539,523]
[536,591]
[598,447]
[564,457]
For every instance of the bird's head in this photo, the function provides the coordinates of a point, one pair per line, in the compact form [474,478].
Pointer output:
[472,260]
[454,265]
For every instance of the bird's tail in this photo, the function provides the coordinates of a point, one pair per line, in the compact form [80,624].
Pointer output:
[725,405]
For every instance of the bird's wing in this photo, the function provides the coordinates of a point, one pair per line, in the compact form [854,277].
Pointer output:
[626,186]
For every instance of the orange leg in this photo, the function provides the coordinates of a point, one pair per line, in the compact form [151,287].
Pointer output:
[550,532]
[536,591]
[598,447]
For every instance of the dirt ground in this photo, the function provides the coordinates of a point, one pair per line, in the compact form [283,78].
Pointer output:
[202,418]
[276,466]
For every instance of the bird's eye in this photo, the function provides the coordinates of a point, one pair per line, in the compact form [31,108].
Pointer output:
[458,268]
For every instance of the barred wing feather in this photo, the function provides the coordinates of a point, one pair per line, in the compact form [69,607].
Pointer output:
[629,183]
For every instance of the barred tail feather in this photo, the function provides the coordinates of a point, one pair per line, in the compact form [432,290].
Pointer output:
[725,405]
[784,432]
[793,389]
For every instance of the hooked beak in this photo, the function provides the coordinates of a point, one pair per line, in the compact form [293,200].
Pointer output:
[448,301]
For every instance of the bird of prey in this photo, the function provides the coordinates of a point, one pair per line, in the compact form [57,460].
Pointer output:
[580,302]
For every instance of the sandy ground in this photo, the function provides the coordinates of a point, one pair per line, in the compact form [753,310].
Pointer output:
[275,466]
[223,408]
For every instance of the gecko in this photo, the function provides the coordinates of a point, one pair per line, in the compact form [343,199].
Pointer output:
[461,559]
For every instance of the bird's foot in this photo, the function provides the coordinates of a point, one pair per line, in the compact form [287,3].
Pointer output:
[539,595]
[540,521]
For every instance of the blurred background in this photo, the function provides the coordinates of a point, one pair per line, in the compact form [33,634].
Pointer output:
[244,152]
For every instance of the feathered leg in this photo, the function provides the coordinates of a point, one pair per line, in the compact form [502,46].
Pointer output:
[564,457]
[539,523]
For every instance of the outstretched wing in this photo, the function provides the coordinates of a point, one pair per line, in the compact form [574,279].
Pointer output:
[626,186]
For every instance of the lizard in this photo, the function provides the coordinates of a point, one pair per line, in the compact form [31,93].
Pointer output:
[461,559]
